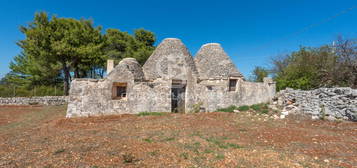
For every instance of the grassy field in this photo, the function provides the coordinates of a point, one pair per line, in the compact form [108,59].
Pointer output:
[36,136]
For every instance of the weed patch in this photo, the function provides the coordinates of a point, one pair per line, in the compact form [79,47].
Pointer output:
[128,158]
[169,139]
[219,156]
[184,155]
[229,109]
[261,108]
[221,144]
[151,114]
[148,140]
[243,108]
[208,151]
[59,151]
[235,146]
[154,153]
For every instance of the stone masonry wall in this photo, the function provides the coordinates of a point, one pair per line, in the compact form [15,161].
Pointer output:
[246,93]
[45,100]
[329,103]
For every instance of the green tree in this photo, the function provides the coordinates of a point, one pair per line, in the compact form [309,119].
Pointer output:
[57,46]
[121,45]
[146,37]
[56,50]
[259,73]
[305,69]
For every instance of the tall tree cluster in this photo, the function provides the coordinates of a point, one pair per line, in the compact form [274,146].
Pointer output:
[119,45]
[325,66]
[60,49]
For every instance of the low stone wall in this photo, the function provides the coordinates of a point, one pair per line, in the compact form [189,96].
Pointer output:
[323,103]
[45,100]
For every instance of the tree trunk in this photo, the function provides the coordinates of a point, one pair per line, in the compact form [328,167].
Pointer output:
[76,72]
[84,74]
[66,79]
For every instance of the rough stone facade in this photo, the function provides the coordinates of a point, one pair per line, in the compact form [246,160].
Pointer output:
[326,103]
[45,100]
[171,80]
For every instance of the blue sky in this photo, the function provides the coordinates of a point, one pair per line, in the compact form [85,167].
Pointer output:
[251,32]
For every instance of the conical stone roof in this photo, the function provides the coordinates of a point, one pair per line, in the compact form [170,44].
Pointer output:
[170,60]
[129,65]
[212,62]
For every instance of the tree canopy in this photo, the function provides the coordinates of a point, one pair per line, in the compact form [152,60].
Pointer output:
[59,49]
[325,66]
[121,45]
[259,73]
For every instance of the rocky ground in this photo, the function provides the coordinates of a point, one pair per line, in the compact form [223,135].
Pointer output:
[36,136]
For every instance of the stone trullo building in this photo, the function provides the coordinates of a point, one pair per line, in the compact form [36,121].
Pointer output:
[170,81]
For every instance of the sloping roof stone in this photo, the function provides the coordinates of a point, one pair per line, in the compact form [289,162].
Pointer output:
[170,58]
[132,66]
[213,62]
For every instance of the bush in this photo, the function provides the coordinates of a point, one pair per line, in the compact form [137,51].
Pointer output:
[196,107]
[243,108]
[256,107]
[261,108]
[265,111]
[229,109]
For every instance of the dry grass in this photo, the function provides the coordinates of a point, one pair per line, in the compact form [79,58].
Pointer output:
[42,137]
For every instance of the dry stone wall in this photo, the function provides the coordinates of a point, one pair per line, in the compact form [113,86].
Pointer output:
[323,103]
[45,100]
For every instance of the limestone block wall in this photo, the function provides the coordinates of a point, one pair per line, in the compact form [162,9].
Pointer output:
[330,103]
[214,94]
[87,97]
[91,97]
[256,92]
[151,97]
[94,98]
[43,100]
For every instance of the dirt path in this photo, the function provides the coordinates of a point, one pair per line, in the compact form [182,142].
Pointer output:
[42,137]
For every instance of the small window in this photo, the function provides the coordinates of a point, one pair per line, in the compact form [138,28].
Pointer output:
[209,87]
[119,90]
[232,84]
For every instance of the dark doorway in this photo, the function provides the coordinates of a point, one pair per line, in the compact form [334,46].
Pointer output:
[178,97]
[232,84]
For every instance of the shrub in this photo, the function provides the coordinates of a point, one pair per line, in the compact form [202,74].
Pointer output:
[261,108]
[228,109]
[265,111]
[256,107]
[243,108]
[196,107]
